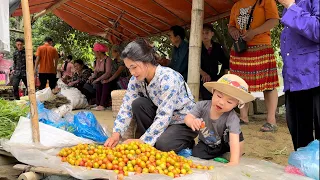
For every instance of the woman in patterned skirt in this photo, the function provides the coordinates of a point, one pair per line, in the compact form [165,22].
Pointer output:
[257,65]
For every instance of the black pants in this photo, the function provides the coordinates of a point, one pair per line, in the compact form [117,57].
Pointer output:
[302,114]
[44,77]
[203,151]
[175,137]
[15,83]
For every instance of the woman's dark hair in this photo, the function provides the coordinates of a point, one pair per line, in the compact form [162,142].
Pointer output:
[139,50]
[79,61]
[69,57]
[178,31]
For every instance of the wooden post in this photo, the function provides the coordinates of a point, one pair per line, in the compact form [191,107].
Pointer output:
[30,71]
[195,47]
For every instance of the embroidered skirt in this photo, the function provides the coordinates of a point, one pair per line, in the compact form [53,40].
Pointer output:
[257,66]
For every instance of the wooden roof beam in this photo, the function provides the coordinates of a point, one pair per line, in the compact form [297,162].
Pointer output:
[145,13]
[49,10]
[93,19]
[102,15]
[132,16]
[135,25]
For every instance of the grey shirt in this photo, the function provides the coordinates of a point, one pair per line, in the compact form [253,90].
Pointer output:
[214,130]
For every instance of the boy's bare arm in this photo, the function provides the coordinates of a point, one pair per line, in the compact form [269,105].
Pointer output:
[234,149]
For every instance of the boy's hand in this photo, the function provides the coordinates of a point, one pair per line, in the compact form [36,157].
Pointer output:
[232,164]
[194,124]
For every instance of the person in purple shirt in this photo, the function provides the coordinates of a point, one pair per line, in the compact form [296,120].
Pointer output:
[300,51]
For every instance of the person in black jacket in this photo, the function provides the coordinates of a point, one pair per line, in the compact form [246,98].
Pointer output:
[211,55]
[19,67]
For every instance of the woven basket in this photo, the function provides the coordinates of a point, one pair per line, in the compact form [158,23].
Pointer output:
[6,92]
[117,97]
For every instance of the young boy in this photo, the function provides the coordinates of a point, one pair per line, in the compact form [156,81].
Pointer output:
[217,122]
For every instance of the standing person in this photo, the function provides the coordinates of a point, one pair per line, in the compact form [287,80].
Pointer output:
[257,65]
[157,98]
[180,55]
[67,67]
[47,58]
[211,55]
[300,50]
[102,71]
[19,67]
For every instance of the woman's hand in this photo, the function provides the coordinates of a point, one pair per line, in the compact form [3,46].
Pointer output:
[105,81]
[113,140]
[90,79]
[95,81]
[132,140]
[286,3]
[205,77]
[235,33]
[249,35]
[71,83]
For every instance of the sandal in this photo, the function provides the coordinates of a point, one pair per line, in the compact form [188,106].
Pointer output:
[98,108]
[242,122]
[267,127]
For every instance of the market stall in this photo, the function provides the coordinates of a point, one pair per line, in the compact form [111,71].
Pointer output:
[69,150]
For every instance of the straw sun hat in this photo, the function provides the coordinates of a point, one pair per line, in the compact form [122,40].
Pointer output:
[233,86]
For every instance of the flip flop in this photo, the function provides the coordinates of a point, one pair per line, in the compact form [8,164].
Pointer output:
[267,127]
[97,109]
[242,122]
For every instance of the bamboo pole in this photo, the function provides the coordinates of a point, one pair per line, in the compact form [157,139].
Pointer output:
[30,71]
[195,47]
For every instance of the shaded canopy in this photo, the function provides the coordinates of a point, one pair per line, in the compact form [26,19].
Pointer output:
[120,20]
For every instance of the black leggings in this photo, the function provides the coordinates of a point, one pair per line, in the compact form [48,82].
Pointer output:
[176,137]
[302,114]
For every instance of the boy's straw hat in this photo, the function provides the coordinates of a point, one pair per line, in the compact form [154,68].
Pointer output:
[233,86]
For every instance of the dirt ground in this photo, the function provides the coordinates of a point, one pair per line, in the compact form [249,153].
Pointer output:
[274,147]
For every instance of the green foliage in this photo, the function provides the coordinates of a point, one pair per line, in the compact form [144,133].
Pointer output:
[66,39]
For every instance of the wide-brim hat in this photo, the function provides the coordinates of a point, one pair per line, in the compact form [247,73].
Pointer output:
[233,86]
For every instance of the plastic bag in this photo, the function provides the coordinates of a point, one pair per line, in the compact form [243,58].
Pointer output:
[87,126]
[49,136]
[185,152]
[76,98]
[307,159]
[44,94]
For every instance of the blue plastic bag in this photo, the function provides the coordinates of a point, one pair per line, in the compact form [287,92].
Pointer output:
[83,124]
[307,159]
[51,118]
[86,126]
[185,152]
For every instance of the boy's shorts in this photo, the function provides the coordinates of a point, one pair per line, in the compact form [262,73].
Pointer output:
[203,151]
